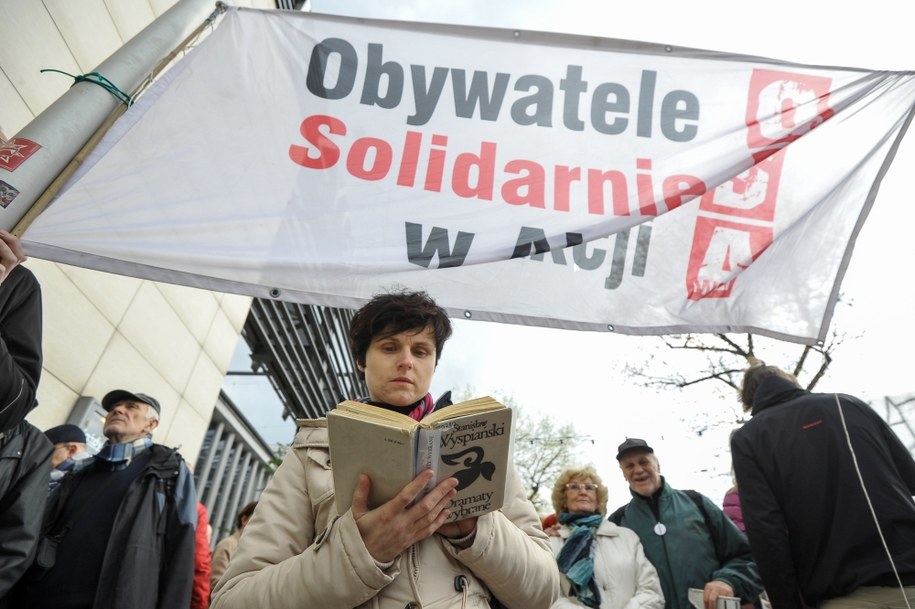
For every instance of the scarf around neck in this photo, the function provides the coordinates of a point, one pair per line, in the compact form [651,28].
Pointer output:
[415,411]
[575,560]
[70,464]
[120,455]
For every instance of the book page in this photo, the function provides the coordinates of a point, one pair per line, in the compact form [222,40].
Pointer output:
[358,446]
[369,412]
[477,405]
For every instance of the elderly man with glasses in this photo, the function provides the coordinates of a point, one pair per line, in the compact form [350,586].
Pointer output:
[119,530]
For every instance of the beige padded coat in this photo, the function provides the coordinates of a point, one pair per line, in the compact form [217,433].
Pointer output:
[296,552]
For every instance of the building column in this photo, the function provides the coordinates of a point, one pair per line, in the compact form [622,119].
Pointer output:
[204,470]
[231,511]
[261,481]
[224,496]
[252,478]
[220,472]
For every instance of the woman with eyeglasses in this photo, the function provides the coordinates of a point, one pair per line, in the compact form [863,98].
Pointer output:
[602,565]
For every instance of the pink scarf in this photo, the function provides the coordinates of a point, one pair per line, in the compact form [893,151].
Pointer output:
[423,407]
[415,411]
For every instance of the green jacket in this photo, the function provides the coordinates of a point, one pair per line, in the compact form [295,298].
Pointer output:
[686,555]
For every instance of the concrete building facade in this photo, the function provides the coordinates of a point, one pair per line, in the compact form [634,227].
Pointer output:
[104,331]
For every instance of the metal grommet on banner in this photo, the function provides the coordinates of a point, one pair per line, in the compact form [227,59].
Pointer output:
[275,292]
[611,328]
[468,314]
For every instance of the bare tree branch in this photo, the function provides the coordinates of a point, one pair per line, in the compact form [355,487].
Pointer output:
[722,358]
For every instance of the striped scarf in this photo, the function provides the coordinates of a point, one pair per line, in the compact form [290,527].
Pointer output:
[119,455]
[575,560]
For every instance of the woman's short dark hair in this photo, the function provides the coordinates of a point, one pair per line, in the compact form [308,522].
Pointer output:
[395,312]
[245,512]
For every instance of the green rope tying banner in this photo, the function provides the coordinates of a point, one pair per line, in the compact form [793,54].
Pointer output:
[98,79]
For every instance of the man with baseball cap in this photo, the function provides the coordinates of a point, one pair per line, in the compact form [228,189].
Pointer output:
[119,531]
[685,535]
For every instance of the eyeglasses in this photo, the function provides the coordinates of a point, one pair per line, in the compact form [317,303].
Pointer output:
[575,486]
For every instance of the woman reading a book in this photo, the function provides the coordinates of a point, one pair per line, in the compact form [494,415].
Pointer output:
[602,565]
[298,551]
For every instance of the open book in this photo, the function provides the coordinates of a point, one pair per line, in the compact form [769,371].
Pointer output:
[469,441]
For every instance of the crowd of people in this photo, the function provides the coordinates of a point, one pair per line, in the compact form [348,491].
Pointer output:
[824,516]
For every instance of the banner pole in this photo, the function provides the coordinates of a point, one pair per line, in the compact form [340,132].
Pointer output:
[45,199]
[62,135]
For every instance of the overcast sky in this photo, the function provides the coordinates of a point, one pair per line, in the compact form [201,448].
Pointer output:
[577,376]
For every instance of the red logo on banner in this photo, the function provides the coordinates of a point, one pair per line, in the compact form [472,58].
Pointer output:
[750,195]
[721,250]
[14,152]
[783,106]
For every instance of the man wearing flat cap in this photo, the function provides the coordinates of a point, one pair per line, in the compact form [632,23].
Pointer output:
[685,535]
[69,450]
[119,531]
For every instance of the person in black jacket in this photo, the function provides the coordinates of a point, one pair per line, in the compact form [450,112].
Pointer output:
[119,530]
[20,334]
[818,472]
[25,453]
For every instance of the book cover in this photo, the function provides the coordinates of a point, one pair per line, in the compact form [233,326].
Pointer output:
[469,441]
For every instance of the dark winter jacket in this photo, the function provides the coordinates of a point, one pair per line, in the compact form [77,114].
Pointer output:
[20,346]
[25,465]
[149,557]
[25,452]
[809,524]
[689,555]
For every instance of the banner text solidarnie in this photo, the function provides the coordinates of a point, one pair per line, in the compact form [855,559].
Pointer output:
[473,175]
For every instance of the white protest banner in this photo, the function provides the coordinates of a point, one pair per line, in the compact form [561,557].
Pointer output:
[520,177]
